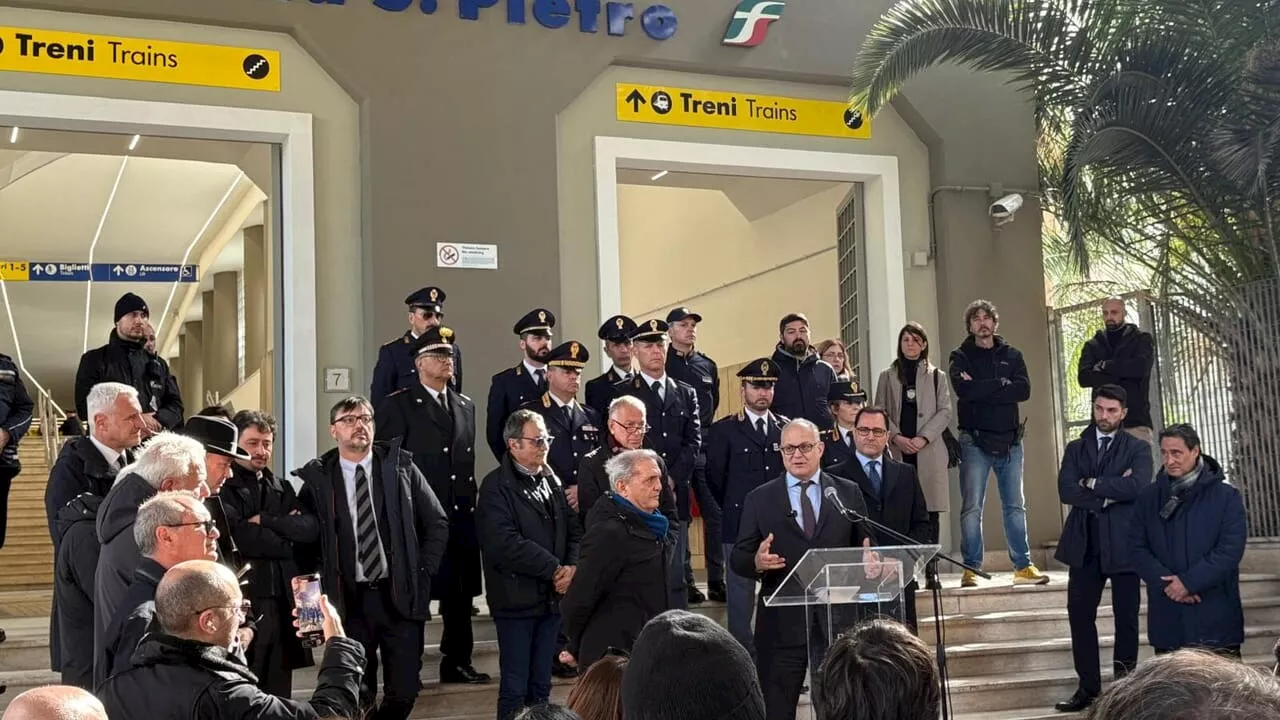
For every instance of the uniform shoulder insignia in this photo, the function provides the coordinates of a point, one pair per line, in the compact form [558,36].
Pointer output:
[782,419]
[546,400]
[519,369]
[401,391]
[742,415]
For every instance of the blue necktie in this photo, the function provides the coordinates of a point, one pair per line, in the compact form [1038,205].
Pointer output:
[873,474]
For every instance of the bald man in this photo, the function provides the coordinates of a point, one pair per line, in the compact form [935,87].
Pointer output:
[55,702]
[190,668]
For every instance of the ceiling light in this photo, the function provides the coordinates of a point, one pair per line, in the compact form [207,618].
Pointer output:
[13,135]
[134,142]
[659,176]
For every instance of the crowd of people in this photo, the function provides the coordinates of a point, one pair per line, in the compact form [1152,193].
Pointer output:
[177,547]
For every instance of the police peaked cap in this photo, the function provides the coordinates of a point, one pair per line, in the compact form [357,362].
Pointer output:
[572,354]
[438,340]
[536,322]
[650,331]
[760,370]
[846,390]
[617,329]
[430,299]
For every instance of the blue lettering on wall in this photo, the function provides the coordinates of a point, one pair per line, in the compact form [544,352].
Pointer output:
[658,21]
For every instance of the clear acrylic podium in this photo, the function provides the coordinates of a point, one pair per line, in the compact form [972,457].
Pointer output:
[841,587]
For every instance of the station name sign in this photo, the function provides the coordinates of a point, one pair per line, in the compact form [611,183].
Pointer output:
[740,111]
[657,21]
[56,52]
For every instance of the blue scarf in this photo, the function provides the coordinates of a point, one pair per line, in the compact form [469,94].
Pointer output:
[656,521]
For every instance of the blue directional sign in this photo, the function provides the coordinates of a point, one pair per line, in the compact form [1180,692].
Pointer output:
[58,272]
[144,272]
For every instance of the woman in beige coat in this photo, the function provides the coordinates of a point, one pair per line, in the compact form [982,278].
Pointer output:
[917,396]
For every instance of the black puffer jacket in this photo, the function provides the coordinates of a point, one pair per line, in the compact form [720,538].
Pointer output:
[176,678]
[128,362]
[801,390]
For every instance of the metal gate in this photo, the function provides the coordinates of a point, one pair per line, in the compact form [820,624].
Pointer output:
[851,252]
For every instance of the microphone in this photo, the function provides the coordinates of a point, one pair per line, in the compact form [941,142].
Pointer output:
[831,494]
[793,515]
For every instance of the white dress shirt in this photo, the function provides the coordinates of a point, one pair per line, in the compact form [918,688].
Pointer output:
[349,480]
[112,457]
[649,381]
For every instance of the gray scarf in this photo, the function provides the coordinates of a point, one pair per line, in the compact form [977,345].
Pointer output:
[1184,483]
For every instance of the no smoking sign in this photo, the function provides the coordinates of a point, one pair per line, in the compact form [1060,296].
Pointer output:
[448,255]
[469,256]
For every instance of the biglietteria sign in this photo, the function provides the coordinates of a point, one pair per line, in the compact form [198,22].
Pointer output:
[657,21]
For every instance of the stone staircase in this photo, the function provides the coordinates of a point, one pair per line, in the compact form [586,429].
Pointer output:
[26,561]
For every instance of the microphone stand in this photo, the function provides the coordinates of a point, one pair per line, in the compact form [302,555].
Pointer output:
[940,646]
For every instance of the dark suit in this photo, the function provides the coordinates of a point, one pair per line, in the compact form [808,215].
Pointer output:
[899,506]
[782,634]
[509,389]
[387,616]
[395,369]
[443,447]
[700,373]
[600,391]
[577,430]
[1095,546]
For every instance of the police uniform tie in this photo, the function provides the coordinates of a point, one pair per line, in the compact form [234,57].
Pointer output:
[657,389]
[367,529]
[808,518]
[443,400]
[760,427]
[873,474]
[542,377]
[848,438]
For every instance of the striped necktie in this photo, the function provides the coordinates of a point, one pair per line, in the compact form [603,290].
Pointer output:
[367,540]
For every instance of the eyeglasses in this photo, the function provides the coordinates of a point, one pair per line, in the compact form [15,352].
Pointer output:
[869,432]
[632,429]
[350,420]
[540,441]
[243,609]
[208,525]
[803,449]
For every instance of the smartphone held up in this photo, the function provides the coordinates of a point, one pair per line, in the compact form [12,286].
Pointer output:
[307,600]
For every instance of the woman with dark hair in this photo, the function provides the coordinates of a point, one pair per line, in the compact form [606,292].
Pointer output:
[833,353]
[597,695]
[917,397]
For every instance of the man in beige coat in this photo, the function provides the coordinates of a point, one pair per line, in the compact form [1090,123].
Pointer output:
[917,396]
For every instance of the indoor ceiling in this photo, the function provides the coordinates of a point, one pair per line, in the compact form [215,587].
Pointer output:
[79,198]
[753,197]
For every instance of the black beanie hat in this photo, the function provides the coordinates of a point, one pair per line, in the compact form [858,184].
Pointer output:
[128,303]
[685,666]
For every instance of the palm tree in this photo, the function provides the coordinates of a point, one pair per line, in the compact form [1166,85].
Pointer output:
[1160,142]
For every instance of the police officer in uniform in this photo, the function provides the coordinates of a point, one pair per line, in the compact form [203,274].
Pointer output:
[438,425]
[686,364]
[615,333]
[671,409]
[395,370]
[574,426]
[743,454]
[846,399]
[527,381]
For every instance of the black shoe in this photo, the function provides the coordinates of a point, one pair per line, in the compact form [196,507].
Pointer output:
[465,675]
[3,636]
[1080,701]
[716,592]
[563,670]
[695,596]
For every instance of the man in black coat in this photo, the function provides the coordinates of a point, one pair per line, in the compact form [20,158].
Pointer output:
[574,427]
[382,537]
[516,386]
[275,536]
[891,490]
[172,528]
[615,334]
[438,426]
[187,671]
[803,377]
[671,409]
[626,423]
[742,455]
[74,567]
[692,367]
[1121,354]
[781,521]
[394,369]
[125,359]
[530,540]
[1102,473]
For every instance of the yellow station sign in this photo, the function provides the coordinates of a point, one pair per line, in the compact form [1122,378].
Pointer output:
[55,52]
[14,270]
[740,111]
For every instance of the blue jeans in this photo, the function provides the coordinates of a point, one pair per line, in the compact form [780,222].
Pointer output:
[526,648]
[975,468]
[740,593]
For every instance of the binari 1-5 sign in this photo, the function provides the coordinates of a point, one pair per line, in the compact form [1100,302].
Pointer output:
[56,52]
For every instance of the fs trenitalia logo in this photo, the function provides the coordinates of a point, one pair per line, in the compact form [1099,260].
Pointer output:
[751,21]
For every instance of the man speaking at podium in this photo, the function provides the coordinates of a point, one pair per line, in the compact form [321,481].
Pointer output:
[781,521]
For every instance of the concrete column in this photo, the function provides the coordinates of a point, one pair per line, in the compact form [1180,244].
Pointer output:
[190,349]
[257,298]
[175,369]
[226,312]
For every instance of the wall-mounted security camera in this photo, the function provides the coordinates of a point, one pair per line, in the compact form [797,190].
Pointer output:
[1005,207]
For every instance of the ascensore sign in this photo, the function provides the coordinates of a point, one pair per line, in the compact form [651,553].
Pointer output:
[658,21]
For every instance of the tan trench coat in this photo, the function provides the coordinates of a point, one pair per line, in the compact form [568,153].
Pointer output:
[934,417]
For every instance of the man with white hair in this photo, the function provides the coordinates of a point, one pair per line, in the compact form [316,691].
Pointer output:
[85,470]
[172,528]
[55,702]
[189,669]
[168,461]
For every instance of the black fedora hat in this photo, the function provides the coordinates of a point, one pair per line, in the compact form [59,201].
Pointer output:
[218,436]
